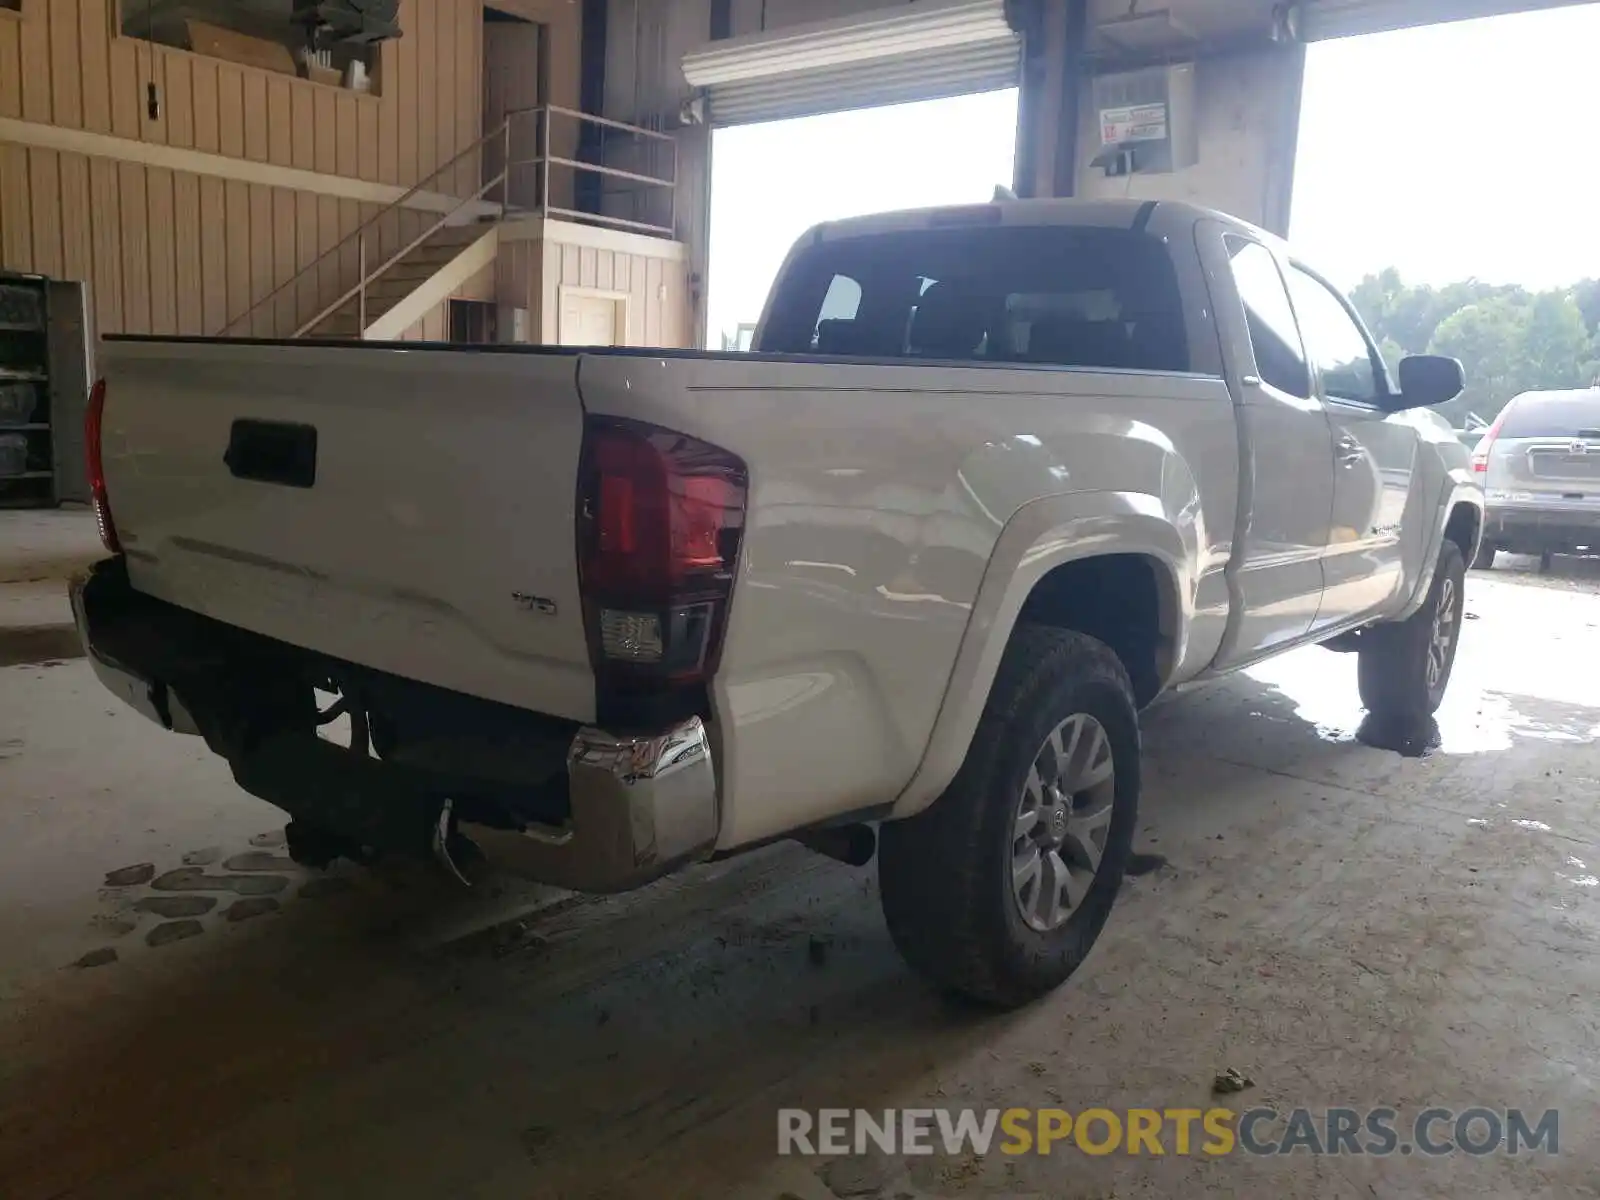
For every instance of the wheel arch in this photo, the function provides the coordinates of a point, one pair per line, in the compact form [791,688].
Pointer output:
[1464,527]
[1109,564]
[1458,517]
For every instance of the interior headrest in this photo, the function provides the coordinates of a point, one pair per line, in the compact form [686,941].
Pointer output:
[950,323]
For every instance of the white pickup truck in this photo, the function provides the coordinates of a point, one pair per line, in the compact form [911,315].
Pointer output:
[899,579]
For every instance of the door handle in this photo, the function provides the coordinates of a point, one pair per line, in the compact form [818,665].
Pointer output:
[1351,452]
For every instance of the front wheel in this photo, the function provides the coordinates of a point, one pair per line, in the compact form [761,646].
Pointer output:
[1484,559]
[999,890]
[1403,668]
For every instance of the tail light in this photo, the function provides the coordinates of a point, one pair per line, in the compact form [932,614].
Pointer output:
[93,425]
[659,525]
[1480,452]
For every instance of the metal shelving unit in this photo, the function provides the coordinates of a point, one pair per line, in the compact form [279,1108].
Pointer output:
[27,416]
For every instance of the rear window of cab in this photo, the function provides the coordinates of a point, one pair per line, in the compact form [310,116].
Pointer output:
[1062,296]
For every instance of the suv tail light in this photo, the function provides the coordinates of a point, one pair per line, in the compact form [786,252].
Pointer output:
[93,424]
[1480,452]
[660,517]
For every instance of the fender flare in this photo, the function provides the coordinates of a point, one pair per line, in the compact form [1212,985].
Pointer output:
[1459,488]
[1041,536]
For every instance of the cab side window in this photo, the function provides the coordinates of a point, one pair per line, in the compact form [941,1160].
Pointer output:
[1338,347]
[1280,359]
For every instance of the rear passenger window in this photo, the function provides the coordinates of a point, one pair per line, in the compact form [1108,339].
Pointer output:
[1280,359]
[1077,297]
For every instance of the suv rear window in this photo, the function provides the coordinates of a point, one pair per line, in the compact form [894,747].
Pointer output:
[1068,296]
[1553,415]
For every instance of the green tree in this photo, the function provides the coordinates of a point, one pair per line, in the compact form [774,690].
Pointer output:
[1486,338]
[1586,292]
[1508,338]
[1556,346]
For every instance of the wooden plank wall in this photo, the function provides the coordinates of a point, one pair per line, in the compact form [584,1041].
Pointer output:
[166,251]
[657,287]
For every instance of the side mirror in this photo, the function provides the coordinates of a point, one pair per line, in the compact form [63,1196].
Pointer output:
[1427,380]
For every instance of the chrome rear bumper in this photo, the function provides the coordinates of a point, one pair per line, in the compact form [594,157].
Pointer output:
[635,806]
[640,806]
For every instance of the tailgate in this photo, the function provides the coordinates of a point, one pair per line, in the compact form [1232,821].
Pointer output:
[1564,471]
[409,510]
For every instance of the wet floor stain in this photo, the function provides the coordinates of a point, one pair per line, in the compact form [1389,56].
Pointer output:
[216,886]
[253,906]
[194,879]
[134,876]
[104,956]
[258,860]
[108,925]
[173,931]
[173,907]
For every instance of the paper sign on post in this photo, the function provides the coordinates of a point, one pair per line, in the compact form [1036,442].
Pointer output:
[1133,123]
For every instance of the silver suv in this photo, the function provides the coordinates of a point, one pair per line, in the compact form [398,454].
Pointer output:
[1540,468]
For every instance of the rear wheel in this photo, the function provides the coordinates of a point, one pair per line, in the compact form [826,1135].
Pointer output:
[999,890]
[1484,559]
[1403,668]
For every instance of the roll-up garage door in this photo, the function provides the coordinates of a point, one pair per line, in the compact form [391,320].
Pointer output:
[920,51]
[1323,19]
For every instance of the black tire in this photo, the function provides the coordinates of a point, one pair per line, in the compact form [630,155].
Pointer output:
[945,875]
[1484,559]
[1392,668]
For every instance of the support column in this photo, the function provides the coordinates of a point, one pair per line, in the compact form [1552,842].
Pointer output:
[1053,34]
[1283,145]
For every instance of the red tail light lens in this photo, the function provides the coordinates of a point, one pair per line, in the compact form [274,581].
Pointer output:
[660,520]
[93,424]
[1480,453]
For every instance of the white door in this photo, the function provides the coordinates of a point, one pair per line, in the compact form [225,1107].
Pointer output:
[589,320]
[1375,455]
[1288,477]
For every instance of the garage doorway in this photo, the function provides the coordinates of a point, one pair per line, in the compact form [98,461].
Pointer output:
[772,181]
[1457,206]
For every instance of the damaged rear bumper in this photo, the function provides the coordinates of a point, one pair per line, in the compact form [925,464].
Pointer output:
[605,812]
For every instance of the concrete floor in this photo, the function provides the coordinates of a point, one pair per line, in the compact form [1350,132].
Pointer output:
[1346,924]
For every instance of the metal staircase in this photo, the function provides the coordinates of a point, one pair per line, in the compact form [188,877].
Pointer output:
[445,237]
[422,248]
[393,300]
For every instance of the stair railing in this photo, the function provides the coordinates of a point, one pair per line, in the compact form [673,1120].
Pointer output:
[365,277]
